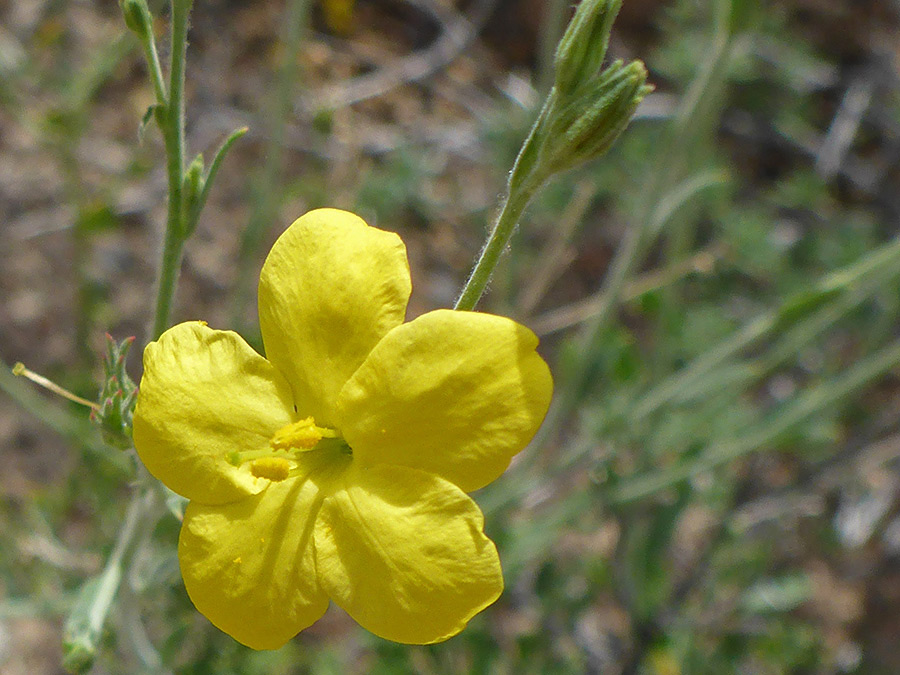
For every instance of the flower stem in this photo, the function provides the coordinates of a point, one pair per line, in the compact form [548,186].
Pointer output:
[171,119]
[504,226]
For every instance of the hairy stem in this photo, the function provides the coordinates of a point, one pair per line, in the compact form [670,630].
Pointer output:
[504,226]
[171,119]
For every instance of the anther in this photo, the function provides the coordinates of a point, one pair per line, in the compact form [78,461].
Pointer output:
[300,435]
[273,468]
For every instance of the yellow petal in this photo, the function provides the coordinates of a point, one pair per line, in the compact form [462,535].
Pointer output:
[329,290]
[453,393]
[249,566]
[203,394]
[403,552]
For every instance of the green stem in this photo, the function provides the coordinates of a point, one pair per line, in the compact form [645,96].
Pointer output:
[525,179]
[504,226]
[172,121]
[173,246]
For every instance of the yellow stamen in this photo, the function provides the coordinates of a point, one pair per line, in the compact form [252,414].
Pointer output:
[280,459]
[273,468]
[19,370]
[300,435]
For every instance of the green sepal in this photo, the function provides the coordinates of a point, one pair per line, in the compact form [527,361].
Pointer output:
[584,127]
[575,128]
[588,107]
[581,50]
[115,405]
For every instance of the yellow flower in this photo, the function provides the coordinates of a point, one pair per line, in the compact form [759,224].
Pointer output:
[337,467]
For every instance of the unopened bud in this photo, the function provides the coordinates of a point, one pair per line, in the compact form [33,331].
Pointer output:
[137,17]
[193,188]
[588,107]
[583,46]
[585,127]
[117,395]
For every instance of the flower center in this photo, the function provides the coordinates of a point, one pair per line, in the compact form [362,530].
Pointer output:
[302,435]
[288,447]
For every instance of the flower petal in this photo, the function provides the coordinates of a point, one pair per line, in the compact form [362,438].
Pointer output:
[329,290]
[204,393]
[403,552]
[249,566]
[453,393]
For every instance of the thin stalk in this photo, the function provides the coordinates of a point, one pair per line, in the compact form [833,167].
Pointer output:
[171,119]
[525,179]
[515,203]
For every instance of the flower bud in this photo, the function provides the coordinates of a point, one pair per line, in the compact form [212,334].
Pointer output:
[192,189]
[116,401]
[583,46]
[137,17]
[586,125]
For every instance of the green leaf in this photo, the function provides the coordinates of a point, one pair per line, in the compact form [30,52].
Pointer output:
[193,216]
[152,111]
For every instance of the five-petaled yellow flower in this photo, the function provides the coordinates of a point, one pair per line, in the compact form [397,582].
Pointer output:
[337,467]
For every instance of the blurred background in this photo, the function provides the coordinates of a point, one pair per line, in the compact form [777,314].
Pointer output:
[718,488]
